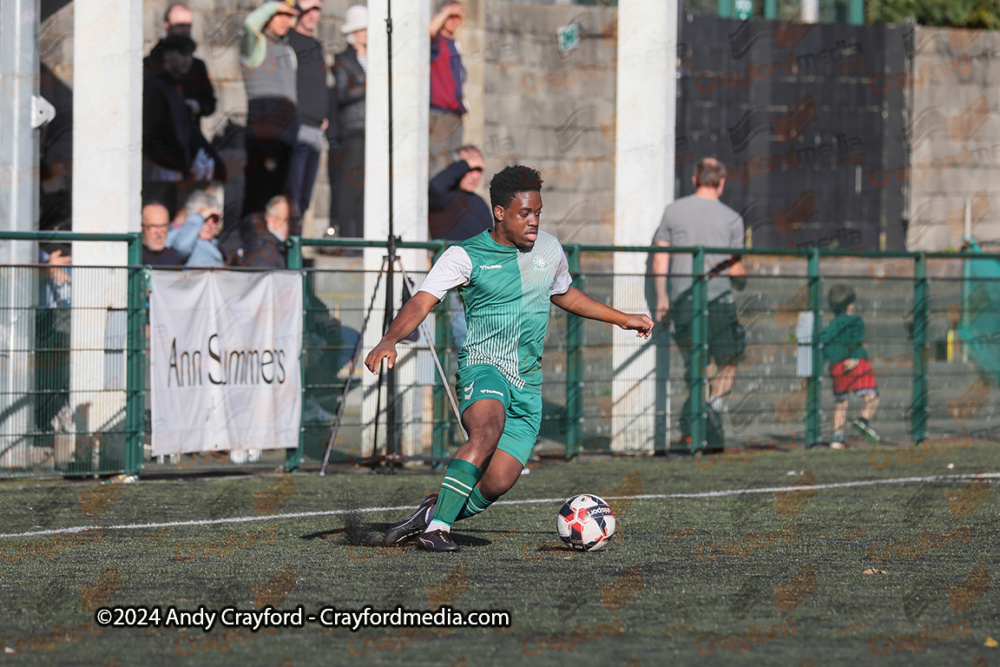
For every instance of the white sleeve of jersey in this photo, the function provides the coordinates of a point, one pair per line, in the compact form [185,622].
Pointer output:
[563,280]
[453,269]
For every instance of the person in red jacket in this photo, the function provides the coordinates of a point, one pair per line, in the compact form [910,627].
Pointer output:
[447,77]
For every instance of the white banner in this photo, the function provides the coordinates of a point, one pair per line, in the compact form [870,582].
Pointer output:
[225,360]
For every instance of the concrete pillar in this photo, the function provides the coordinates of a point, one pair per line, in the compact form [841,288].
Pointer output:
[472,40]
[18,212]
[411,102]
[644,185]
[107,183]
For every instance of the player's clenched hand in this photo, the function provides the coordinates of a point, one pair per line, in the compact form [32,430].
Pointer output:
[640,323]
[381,351]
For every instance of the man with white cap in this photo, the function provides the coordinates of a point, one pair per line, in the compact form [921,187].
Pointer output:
[347,184]
[312,103]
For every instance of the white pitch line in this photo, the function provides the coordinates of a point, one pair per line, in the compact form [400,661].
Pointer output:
[532,501]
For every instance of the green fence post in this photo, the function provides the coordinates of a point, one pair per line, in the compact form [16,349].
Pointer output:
[814,423]
[443,342]
[771,9]
[919,404]
[574,362]
[294,457]
[725,8]
[699,349]
[135,365]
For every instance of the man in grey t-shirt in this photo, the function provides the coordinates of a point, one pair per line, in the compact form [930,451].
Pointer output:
[702,220]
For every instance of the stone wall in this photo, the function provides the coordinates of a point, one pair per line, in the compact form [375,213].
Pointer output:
[555,110]
[954,139]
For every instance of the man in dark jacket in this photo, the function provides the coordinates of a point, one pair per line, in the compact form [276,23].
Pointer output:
[169,141]
[457,213]
[267,247]
[312,105]
[195,84]
[349,73]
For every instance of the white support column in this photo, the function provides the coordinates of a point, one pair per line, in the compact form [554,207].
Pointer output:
[644,185]
[411,102]
[107,183]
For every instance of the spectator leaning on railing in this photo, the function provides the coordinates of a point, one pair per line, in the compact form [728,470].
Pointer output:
[268,248]
[195,241]
[155,223]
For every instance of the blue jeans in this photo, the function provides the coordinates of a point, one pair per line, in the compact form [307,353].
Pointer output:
[302,175]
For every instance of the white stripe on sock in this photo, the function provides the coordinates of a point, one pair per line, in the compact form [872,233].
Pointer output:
[464,494]
[460,483]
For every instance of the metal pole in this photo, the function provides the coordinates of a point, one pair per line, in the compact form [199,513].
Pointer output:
[18,212]
[390,401]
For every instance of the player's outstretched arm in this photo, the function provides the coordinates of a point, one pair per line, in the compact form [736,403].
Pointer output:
[408,319]
[578,303]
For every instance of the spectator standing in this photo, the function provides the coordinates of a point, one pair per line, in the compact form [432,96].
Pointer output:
[457,213]
[269,74]
[702,220]
[349,71]
[155,222]
[447,77]
[172,146]
[196,240]
[312,104]
[195,85]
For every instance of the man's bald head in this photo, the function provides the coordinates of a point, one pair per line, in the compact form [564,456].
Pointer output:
[177,20]
[276,214]
[155,223]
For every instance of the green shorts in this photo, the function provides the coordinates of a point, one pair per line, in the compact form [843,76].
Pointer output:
[523,407]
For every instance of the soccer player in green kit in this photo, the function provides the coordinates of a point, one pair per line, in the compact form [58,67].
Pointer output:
[507,276]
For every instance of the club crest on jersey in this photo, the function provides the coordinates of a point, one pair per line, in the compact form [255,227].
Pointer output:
[540,263]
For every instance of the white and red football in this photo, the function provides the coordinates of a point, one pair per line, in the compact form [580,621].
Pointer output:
[585,522]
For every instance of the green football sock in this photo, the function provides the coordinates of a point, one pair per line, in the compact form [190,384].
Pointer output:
[474,505]
[459,481]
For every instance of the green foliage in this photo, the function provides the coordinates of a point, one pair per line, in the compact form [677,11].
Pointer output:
[977,14]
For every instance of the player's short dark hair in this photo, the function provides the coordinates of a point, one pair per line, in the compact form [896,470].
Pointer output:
[841,296]
[709,172]
[511,180]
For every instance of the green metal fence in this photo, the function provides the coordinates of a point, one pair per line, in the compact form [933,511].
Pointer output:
[603,393]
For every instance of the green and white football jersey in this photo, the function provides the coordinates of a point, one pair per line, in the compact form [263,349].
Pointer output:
[506,294]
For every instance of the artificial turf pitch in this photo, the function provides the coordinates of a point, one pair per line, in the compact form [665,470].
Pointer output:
[729,578]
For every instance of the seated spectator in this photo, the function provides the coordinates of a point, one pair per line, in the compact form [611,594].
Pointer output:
[267,247]
[195,241]
[155,222]
[457,213]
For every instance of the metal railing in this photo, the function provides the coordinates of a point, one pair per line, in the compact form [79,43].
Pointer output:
[912,303]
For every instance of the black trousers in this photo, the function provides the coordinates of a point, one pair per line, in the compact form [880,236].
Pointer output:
[350,188]
[266,174]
